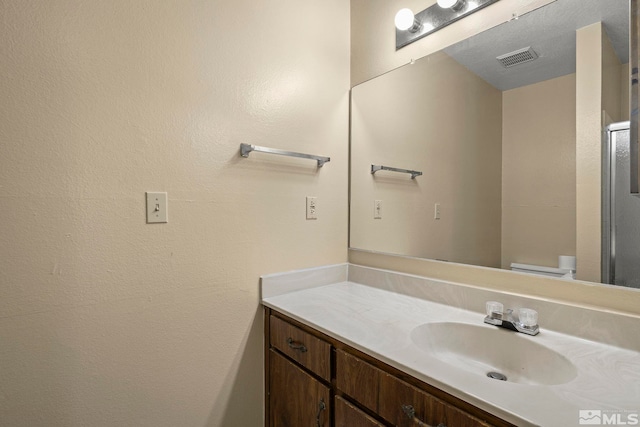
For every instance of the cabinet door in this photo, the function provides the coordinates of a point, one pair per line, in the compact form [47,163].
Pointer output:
[296,399]
[348,415]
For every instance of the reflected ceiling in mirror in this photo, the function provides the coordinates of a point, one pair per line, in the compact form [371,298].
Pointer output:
[496,144]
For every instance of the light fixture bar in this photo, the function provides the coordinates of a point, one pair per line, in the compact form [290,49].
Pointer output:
[435,17]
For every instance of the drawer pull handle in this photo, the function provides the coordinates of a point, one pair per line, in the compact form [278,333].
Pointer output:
[410,411]
[296,345]
[321,407]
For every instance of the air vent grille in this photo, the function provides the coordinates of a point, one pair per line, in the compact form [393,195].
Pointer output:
[516,57]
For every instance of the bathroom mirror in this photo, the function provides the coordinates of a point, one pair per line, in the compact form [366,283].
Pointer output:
[491,124]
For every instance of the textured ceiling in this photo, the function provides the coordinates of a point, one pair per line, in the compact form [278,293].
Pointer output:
[551,32]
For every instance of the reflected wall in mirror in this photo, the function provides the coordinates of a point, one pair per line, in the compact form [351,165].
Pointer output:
[510,155]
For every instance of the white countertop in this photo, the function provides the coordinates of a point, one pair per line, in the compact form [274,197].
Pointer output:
[379,322]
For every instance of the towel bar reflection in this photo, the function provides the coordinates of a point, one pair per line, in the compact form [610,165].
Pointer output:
[245,149]
[376,168]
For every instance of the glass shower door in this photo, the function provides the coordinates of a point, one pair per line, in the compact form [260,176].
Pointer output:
[623,213]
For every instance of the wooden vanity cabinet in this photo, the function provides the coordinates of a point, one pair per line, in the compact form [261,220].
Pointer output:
[314,380]
[406,405]
[309,351]
[394,400]
[295,397]
[348,415]
[358,379]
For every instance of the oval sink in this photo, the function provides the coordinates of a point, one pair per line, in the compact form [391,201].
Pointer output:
[483,350]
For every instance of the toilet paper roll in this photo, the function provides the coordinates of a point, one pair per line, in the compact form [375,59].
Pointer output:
[567,262]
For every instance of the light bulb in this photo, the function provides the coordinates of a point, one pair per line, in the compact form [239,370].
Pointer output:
[446,4]
[455,5]
[404,19]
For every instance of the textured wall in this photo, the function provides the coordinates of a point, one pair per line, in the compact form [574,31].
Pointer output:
[539,172]
[395,122]
[624,91]
[105,320]
[597,96]
[612,86]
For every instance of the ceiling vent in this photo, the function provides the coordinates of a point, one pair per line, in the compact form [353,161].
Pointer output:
[516,57]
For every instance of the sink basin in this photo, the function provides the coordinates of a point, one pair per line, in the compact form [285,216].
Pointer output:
[483,350]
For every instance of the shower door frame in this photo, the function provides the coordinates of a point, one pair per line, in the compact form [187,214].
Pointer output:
[608,205]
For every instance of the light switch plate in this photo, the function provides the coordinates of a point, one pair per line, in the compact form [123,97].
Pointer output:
[156,207]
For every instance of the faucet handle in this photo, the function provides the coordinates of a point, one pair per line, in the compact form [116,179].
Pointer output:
[493,307]
[528,317]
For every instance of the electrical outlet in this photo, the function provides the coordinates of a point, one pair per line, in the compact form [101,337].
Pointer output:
[156,207]
[312,207]
[436,211]
[377,209]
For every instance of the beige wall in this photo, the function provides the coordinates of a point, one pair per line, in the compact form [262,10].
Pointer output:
[624,92]
[539,172]
[598,92]
[611,84]
[439,118]
[373,37]
[107,321]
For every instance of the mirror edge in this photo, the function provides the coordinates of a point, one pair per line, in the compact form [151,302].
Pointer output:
[634,44]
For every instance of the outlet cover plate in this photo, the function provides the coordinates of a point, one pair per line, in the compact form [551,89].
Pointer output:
[312,207]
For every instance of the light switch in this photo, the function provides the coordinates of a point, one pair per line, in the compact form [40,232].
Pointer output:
[156,207]
[436,211]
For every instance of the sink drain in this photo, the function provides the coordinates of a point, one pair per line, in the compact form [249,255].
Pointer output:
[497,376]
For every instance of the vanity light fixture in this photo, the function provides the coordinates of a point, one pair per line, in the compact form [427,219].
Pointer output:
[452,4]
[410,27]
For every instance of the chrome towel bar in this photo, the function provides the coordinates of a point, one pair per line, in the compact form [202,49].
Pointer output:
[245,149]
[376,168]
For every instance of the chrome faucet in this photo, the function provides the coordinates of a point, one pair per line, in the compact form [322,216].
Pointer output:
[525,321]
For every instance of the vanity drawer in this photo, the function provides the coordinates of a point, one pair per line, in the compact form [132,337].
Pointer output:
[397,398]
[404,405]
[306,349]
[348,415]
[358,379]
[459,418]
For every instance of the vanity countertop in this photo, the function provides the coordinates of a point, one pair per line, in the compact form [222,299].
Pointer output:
[379,323]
